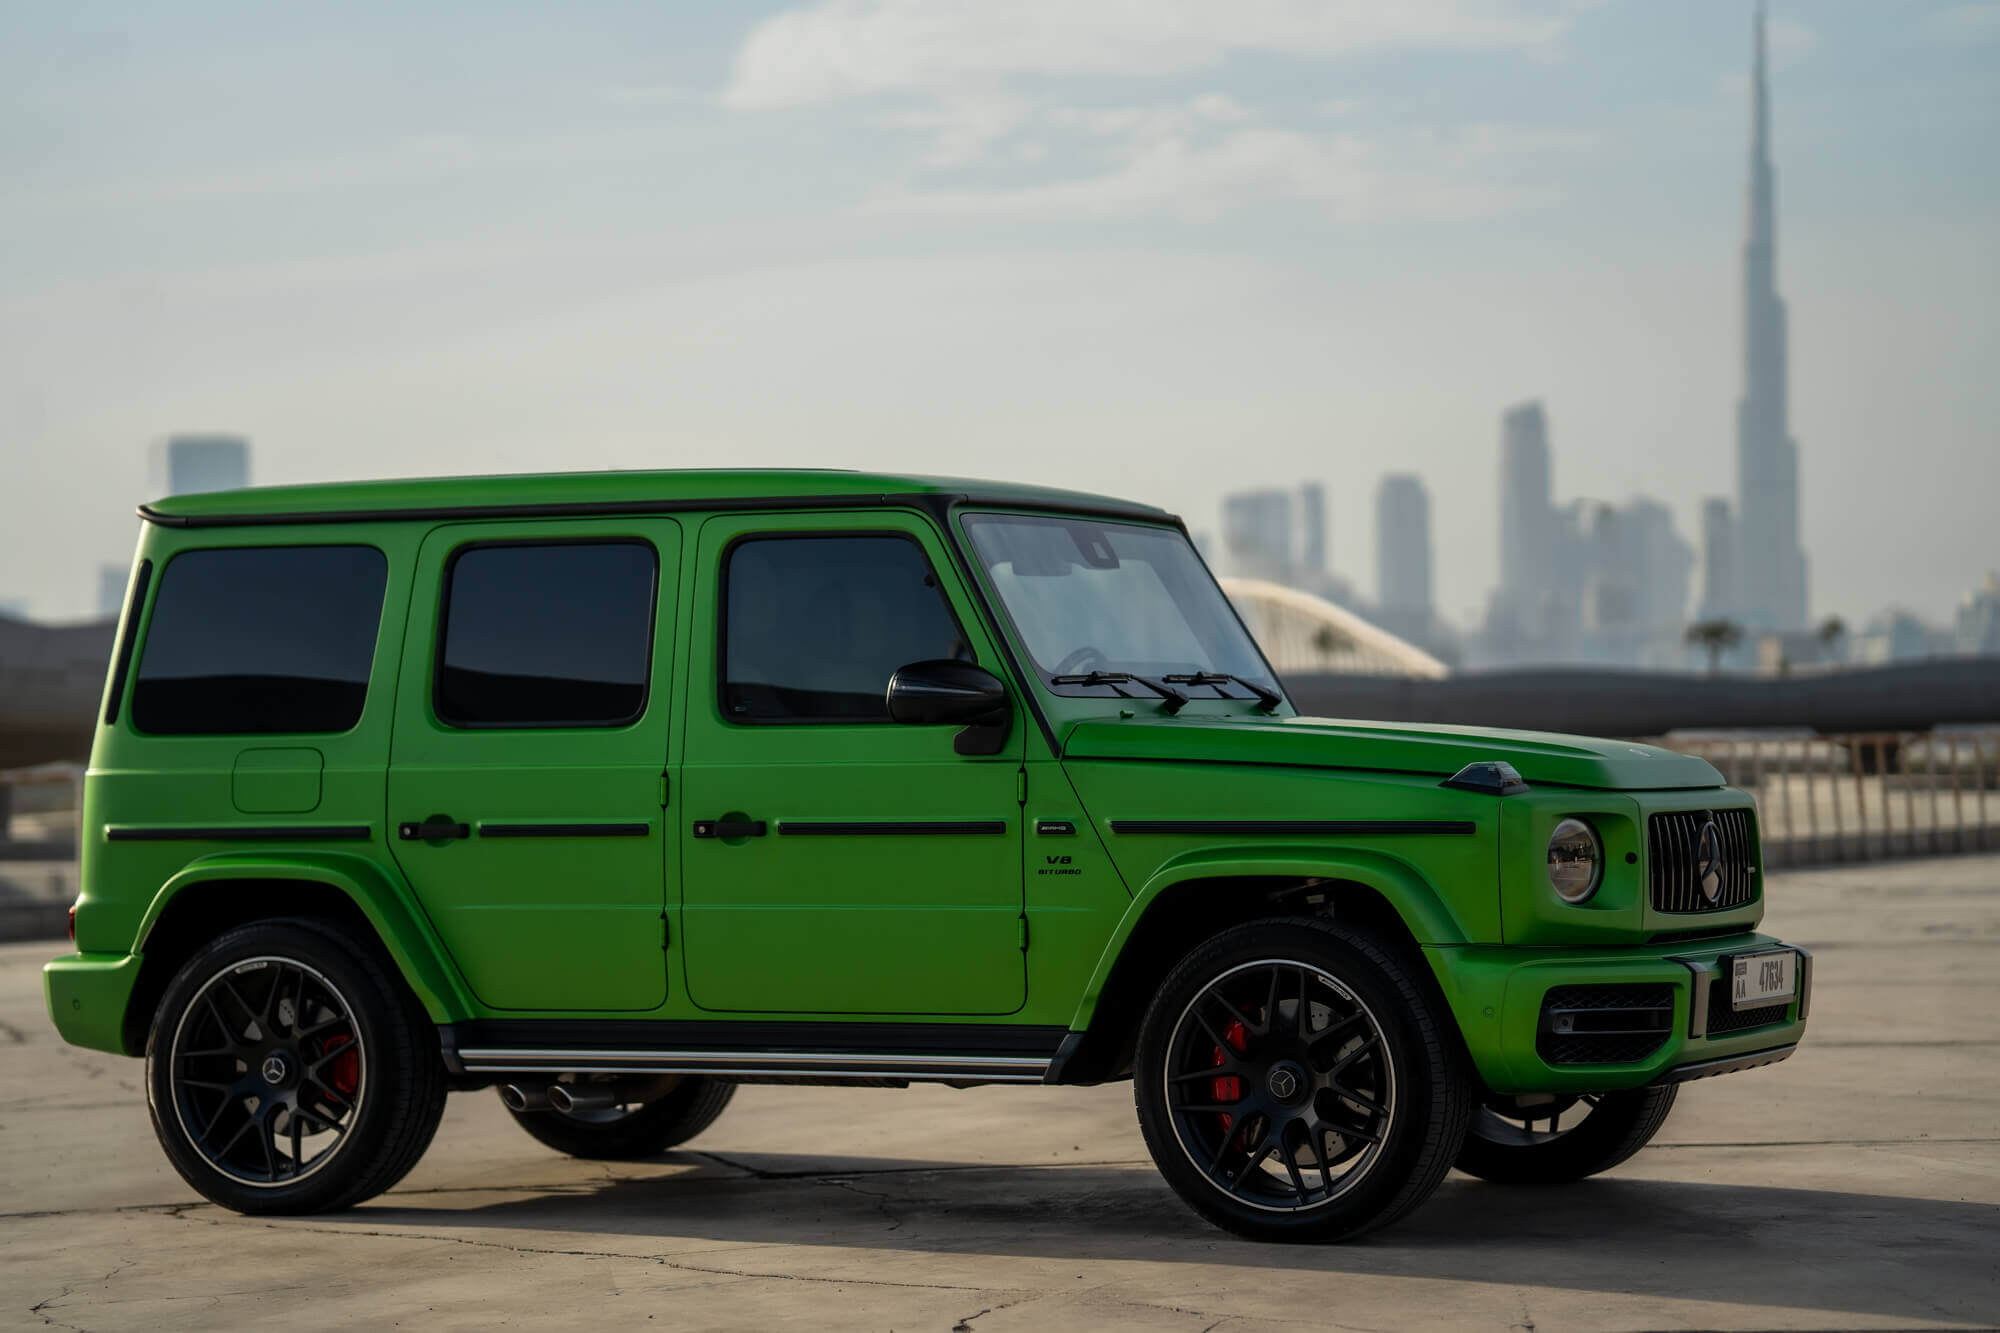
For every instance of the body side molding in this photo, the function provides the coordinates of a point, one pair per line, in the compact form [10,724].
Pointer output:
[237,833]
[834,828]
[1298,827]
[633,830]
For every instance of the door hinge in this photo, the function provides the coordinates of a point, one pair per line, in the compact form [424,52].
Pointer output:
[1024,932]
[663,791]
[666,931]
[1021,786]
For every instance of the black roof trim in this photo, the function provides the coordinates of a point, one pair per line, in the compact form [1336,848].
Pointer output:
[588,508]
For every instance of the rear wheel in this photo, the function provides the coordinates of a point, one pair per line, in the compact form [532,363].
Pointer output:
[288,1071]
[1295,1082]
[644,1118]
[1565,1138]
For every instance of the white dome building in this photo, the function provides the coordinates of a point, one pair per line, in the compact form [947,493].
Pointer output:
[1302,633]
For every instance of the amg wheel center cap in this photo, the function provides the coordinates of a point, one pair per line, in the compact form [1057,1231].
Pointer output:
[274,1069]
[1285,1081]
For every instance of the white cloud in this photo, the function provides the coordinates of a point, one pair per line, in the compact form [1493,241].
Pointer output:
[975,79]
[1346,177]
[854,48]
[961,129]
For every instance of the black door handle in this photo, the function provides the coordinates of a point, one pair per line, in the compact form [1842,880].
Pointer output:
[436,827]
[728,828]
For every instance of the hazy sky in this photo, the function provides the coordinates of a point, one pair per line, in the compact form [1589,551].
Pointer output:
[1162,248]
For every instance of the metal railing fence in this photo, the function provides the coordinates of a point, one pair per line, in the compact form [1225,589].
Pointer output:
[1863,796]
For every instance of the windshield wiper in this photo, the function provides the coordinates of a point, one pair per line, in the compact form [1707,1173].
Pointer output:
[1268,699]
[1172,700]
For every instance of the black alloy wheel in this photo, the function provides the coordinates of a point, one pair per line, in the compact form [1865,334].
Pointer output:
[1552,1141]
[269,1068]
[1280,1085]
[289,1070]
[1294,1083]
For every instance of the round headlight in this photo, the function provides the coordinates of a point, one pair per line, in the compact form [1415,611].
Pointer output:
[1576,861]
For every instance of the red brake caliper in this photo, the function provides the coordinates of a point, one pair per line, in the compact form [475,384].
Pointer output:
[1228,1087]
[344,1074]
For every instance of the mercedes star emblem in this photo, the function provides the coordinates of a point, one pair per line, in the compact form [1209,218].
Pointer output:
[1708,861]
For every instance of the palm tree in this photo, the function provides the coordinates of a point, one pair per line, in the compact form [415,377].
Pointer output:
[1830,632]
[1718,636]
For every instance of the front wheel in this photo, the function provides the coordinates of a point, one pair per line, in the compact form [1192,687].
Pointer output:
[1556,1140]
[1295,1080]
[642,1118]
[289,1071]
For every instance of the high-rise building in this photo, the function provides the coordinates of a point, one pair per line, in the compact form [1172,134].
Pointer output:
[1978,627]
[199,463]
[1257,533]
[1312,529]
[1718,559]
[1403,548]
[1525,528]
[1771,567]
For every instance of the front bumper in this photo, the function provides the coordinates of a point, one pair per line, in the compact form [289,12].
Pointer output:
[1498,994]
[88,994]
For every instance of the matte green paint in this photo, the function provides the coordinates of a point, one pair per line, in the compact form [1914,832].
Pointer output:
[1389,747]
[539,923]
[855,924]
[381,894]
[87,994]
[1018,927]
[1496,996]
[276,781]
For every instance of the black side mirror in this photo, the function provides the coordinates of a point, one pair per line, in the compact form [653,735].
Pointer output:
[945,692]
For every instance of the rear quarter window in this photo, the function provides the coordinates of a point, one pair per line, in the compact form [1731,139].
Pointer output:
[254,640]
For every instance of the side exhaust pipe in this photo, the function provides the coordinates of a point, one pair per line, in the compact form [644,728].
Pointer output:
[582,1097]
[522,1098]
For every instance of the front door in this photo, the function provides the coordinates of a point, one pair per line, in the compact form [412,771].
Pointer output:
[835,862]
[525,782]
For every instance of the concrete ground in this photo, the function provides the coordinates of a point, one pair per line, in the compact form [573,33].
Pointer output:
[1856,1186]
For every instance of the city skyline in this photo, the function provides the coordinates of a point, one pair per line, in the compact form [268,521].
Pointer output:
[1301,249]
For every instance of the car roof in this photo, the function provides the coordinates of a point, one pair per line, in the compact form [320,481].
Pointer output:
[559,493]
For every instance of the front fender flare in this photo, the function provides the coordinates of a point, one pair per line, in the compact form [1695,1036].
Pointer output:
[404,932]
[1423,912]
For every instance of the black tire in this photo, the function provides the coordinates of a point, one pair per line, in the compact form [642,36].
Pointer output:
[626,1133]
[283,1032]
[1377,1089]
[1503,1145]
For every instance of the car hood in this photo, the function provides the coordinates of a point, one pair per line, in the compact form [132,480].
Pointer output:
[1318,742]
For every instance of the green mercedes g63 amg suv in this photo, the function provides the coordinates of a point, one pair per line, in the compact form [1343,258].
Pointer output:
[615,791]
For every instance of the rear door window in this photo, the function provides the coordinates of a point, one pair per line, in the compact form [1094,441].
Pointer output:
[547,634]
[252,640]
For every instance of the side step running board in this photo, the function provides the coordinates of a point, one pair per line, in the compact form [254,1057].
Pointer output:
[928,1068]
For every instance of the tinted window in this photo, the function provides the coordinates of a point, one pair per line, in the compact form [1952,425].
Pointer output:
[547,635]
[261,639]
[815,626]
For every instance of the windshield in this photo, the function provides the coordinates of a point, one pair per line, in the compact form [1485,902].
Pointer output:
[1088,596]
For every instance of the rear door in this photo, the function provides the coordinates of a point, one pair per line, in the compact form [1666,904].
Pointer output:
[526,772]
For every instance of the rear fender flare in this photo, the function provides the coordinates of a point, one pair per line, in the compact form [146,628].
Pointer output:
[404,932]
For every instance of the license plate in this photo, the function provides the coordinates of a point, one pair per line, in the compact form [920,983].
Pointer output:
[1762,979]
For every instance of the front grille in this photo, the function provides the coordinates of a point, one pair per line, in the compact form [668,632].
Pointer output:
[1604,1025]
[1673,860]
[1722,1018]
